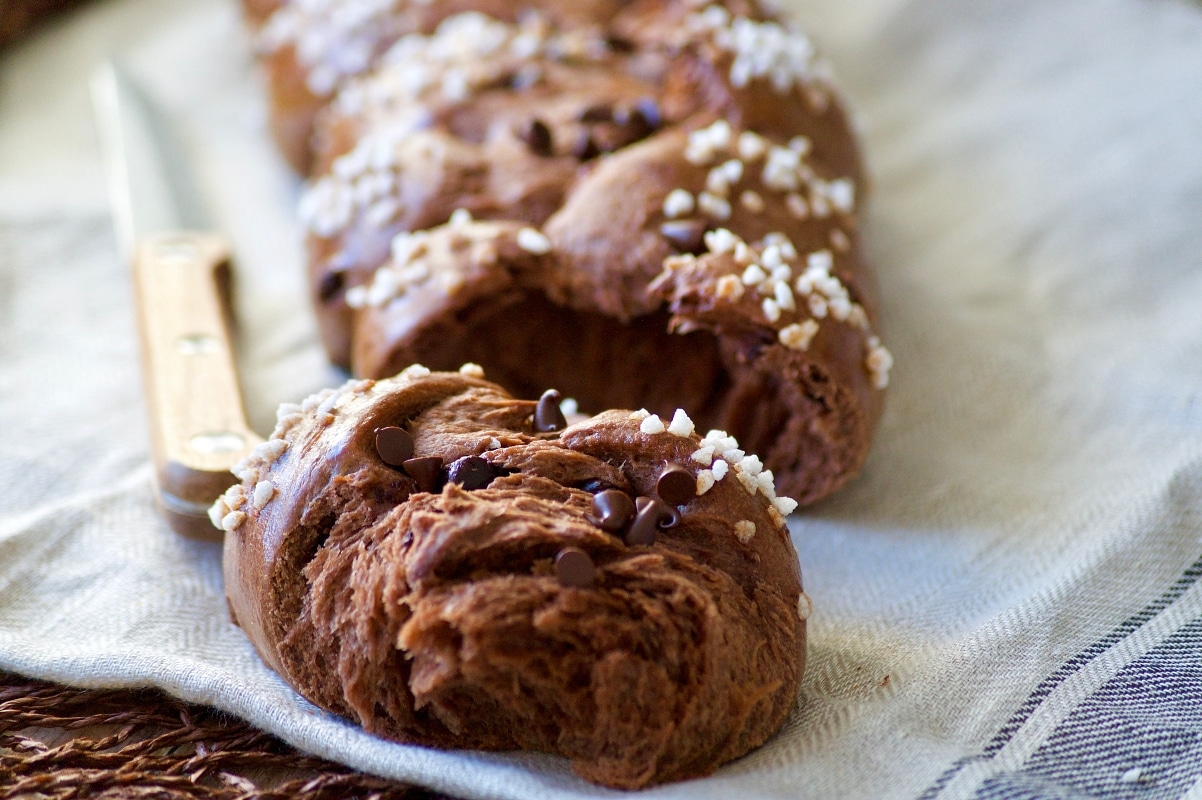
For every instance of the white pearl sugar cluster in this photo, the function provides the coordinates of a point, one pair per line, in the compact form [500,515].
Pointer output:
[719,455]
[231,510]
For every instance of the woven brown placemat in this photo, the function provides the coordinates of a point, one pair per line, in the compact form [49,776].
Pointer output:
[61,743]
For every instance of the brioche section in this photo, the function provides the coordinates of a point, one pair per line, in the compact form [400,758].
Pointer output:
[441,614]
[651,203]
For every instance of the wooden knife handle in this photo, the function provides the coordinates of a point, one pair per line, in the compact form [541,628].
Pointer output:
[198,426]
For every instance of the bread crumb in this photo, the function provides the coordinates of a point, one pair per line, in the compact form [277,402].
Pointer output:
[744,530]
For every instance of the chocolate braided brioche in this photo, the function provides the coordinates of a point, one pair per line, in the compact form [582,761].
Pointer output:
[649,202]
[447,565]
[646,203]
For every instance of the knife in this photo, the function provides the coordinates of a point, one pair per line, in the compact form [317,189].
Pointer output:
[181,277]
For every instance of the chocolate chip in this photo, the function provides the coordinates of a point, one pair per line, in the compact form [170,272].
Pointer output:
[676,485]
[686,235]
[669,517]
[619,44]
[594,485]
[574,568]
[612,511]
[649,110]
[653,514]
[597,113]
[394,445]
[643,529]
[547,415]
[584,148]
[426,471]
[538,138]
[471,472]
[640,121]
[330,285]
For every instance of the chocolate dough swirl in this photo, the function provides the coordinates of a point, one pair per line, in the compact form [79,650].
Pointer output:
[446,565]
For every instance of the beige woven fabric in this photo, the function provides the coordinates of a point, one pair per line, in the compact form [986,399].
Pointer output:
[1023,540]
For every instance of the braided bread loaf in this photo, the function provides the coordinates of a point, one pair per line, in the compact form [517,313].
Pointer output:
[447,565]
[642,202]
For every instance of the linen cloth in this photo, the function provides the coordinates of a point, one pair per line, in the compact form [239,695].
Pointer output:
[1006,604]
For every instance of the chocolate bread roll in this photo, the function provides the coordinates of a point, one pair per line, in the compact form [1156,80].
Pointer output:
[706,229]
[450,566]
[485,116]
[795,373]
[650,203]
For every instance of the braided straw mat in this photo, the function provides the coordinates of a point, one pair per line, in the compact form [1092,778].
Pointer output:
[59,743]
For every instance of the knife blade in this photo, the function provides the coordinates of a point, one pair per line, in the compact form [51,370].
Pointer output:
[181,278]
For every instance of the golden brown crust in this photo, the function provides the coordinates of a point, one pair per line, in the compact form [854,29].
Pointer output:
[441,617]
